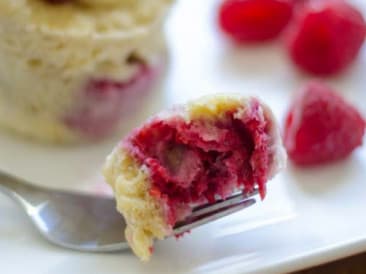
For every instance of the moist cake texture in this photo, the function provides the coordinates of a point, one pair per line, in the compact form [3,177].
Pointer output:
[190,155]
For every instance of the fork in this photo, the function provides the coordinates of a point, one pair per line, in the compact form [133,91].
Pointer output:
[91,223]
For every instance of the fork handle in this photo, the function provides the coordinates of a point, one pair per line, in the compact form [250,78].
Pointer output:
[15,188]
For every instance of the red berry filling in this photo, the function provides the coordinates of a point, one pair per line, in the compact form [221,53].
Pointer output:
[201,160]
[326,36]
[254,20]
[321,127]
[105,101]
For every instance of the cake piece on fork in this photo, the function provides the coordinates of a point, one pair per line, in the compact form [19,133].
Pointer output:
[190,155]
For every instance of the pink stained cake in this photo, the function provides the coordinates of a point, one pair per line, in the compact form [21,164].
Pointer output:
[187,156]
[72,70]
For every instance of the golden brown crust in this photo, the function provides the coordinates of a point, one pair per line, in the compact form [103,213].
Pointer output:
[142,213]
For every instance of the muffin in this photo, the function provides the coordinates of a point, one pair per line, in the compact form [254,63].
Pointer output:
[190,155]
[72,70]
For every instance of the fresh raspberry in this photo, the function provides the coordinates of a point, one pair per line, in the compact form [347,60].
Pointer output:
[254,20]
[321,126]
[326,36]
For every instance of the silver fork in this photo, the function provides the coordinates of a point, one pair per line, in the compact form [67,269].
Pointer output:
[91,223]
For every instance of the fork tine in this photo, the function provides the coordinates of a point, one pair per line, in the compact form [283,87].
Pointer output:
[203,209]
[195,221]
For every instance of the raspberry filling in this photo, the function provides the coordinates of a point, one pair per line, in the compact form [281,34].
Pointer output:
[104,102]
[202,160]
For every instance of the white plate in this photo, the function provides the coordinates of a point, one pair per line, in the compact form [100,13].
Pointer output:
[309,217]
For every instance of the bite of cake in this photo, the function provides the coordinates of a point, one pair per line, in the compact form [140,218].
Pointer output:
[190,155]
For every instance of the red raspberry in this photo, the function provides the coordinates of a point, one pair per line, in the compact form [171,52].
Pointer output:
[321,127]
[326,36]
[254,20]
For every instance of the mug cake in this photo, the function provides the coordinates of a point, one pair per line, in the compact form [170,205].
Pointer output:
[72,70]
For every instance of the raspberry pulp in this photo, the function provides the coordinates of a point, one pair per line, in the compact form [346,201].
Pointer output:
[197,161]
